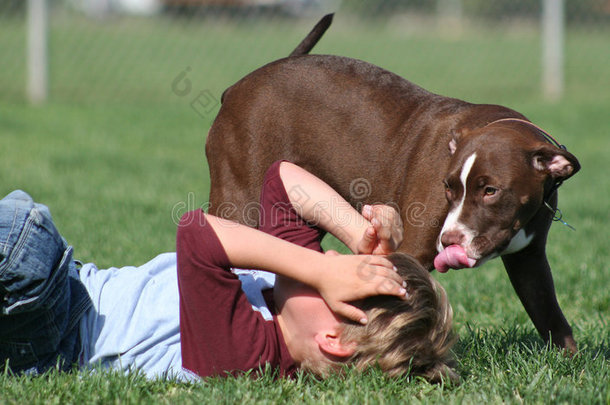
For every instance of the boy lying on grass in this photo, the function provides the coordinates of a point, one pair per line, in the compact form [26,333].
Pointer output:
[194,313]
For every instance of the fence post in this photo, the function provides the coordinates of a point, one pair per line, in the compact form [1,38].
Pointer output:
[552,49]
[449,14]
[37,52]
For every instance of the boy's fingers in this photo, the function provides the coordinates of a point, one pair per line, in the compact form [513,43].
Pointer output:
[382,267]
[352,313]
[393,279]
[388,226]
[382,281]
[388,216]
[377,260]
[384,232]
[392,288]
[385,214]
[369,239]
[367,212]
[379,275]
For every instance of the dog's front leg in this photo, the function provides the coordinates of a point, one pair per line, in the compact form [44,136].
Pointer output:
[530,275]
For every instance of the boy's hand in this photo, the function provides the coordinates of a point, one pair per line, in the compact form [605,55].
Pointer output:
[347,278]
[385,233]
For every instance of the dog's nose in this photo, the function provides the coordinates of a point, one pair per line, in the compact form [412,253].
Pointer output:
[452,238]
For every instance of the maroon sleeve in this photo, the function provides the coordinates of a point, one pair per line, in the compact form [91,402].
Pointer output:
[220,332]
[279,218]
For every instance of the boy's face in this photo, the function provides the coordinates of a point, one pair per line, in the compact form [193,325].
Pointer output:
[303,303]
[311,330]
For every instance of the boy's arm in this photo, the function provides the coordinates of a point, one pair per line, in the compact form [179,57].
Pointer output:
[377,231]
[352,277]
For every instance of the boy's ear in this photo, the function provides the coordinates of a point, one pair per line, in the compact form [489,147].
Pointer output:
[330,342]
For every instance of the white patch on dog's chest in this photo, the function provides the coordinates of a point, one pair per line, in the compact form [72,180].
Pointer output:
[518,242]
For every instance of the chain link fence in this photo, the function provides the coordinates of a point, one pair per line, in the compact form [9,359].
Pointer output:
[169,51]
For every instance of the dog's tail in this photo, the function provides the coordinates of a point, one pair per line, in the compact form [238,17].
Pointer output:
[308,43]
[314,36]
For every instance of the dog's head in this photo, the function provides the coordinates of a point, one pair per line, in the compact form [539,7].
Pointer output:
[499,177]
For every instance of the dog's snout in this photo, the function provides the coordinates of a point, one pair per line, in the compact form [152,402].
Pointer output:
[452,238]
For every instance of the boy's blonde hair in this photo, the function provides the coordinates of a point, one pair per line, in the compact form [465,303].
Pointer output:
[412,336]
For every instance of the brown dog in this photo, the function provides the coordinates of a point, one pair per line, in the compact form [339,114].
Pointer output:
[470,181]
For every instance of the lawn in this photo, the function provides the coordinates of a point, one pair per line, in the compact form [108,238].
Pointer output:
[118,157]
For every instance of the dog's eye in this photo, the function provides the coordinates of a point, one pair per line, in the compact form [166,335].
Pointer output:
[489,191]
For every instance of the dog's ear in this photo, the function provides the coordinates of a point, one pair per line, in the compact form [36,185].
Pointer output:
[456,135]
[452,145]
[557,163]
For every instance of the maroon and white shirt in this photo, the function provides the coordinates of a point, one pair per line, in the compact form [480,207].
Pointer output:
[221,333]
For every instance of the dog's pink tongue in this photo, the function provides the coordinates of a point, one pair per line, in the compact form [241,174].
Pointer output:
[452,257]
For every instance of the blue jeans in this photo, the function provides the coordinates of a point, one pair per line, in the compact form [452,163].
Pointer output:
[41,296]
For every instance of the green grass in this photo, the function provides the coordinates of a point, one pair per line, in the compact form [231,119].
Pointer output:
[117,157]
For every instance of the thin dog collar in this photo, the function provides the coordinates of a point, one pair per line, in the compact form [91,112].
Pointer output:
[546,135]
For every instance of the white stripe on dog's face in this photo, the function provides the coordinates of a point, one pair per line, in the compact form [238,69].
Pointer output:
[451,222]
